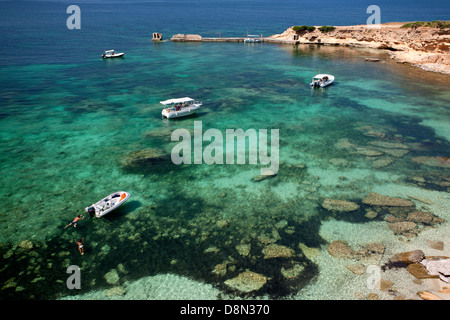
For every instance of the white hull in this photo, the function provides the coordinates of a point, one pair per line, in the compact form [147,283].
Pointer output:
[109,203]
[250,40]
[170,113]
[320,82]
[117,55]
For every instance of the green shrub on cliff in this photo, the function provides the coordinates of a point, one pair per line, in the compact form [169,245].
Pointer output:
[326,28]
[432,24]
[303,28]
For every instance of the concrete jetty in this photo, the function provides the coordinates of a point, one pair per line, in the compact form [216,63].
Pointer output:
[199,38]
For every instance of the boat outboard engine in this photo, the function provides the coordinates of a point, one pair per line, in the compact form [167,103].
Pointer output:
[91,211]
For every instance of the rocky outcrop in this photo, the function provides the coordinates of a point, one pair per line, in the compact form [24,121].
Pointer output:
[424,47]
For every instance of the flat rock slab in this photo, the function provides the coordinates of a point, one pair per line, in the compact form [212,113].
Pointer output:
[339,205]
[375,199]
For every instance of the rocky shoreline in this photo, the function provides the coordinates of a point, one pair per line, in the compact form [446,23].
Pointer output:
[425,47]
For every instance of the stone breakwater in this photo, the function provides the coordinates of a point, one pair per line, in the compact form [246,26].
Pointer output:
[424,47]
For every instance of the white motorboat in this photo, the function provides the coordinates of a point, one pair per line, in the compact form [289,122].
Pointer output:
[112,54]
[322,80]
[181,107]
[252,38]
[107,204]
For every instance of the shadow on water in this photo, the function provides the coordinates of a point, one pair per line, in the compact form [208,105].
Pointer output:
[123,210]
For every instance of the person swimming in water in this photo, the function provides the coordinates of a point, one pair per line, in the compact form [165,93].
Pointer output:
[80,245]
[75,221]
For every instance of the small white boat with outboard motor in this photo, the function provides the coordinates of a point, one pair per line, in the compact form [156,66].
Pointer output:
[180,107]
[107,204]
[322,80]
[112,54]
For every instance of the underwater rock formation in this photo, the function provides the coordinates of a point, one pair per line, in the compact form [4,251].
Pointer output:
[375,199]
[339,205]
[247,281]
[146,159]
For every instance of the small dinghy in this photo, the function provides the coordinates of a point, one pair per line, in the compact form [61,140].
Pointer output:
[107,204]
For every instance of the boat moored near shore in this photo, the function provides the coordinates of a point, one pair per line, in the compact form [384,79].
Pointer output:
[252,38]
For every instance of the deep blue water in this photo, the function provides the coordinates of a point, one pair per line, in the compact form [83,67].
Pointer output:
[36,31]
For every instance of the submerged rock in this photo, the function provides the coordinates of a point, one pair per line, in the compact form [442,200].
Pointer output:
[339,205]
[356,268]
[341,249]
[145,159]
[383,162]
[25,244]
[244,249]
[375,199]
[261,177]
[438,161]
[408,257]
[388,145]
[293,272]
[420,217]
[402,227]
[247,281]
[426,295]
[397,153]
[419,271]
[368,152]
[112,277]
[277,251]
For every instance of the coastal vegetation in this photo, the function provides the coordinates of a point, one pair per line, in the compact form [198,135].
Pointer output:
[324,29]
[303,28]
[433,24]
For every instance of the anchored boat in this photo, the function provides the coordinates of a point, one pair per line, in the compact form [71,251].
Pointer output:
[322,80]
[107,204]
[112,54]
[181,107]
[252,38]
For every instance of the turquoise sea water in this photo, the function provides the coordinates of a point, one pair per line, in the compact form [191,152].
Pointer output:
[70,121]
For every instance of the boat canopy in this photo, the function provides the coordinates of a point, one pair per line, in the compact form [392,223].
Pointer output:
[179,100]
[110,51]
[321,76]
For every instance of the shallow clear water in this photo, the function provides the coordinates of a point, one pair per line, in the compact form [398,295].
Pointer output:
[69,124]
